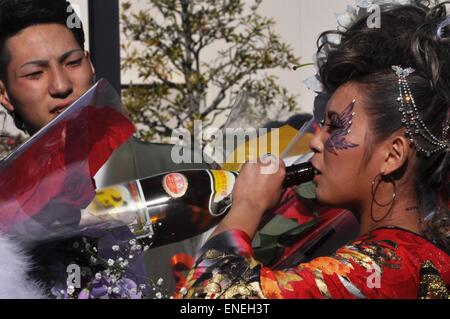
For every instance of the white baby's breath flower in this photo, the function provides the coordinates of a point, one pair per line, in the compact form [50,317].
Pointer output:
[98,276]
[70,290]
[160,282]
[116,248]
[110,262]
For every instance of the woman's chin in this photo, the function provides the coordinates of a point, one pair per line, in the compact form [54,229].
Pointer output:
[325,201]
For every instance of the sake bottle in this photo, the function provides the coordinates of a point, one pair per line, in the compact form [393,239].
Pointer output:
[174,206]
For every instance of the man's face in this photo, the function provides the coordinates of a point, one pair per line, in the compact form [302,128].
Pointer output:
[47,71]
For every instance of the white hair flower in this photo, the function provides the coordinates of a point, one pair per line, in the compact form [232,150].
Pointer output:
[345,20]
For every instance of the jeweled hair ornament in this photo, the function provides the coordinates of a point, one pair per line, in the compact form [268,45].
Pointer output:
[416,130]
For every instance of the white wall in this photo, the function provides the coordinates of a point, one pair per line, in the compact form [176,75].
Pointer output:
[299,22]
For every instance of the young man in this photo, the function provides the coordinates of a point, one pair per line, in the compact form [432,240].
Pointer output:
[43,64]
[43,69]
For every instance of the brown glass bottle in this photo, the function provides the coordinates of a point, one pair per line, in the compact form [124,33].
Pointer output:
[174,206]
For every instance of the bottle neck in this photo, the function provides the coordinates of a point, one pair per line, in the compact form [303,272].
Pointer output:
[298,174]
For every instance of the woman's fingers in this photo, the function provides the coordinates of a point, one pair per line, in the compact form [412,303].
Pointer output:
[259,184]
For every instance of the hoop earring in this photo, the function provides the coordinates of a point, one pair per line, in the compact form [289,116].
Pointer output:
[374,191]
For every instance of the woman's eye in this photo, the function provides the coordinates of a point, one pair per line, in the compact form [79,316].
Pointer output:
[332,126]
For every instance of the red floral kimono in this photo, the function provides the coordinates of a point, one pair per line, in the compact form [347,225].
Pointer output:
[387,263]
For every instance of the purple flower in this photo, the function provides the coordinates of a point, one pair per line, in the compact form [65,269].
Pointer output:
[84,294]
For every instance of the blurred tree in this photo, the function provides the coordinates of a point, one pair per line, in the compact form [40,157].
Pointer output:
[166,43]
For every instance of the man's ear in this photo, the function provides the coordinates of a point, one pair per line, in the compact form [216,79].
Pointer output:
[397,153]
[4,98]
[88,56]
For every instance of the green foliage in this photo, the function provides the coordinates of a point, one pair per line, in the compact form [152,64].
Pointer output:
[166,44]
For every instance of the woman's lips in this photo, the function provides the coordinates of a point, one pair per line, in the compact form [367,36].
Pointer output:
[316,171]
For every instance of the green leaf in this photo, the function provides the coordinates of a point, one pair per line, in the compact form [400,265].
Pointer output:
[269,243]
[306,190]
[278,225]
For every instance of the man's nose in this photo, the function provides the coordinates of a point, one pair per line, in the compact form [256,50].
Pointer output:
[61,86]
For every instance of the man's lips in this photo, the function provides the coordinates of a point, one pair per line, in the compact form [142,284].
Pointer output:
[60,108]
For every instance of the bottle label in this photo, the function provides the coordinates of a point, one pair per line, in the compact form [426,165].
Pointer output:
[222,183]
[120,204]
[175,184]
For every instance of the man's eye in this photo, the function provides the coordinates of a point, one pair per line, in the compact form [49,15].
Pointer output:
[34,75]
[75,62]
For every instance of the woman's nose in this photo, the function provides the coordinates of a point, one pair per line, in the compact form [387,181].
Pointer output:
[316,144]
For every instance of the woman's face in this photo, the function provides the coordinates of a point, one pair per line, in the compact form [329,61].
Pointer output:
[345,175]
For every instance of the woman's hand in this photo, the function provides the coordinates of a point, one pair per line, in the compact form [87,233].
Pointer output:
[257,189]
[259,184]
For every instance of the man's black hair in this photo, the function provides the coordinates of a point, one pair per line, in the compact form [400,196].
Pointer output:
[16,15]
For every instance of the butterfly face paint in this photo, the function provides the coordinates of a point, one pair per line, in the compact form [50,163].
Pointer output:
[339,126]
